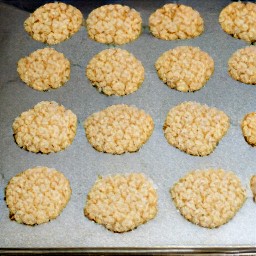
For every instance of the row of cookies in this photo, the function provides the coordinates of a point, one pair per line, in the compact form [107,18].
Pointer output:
[122,202]
[190,126]
[115,71]
[53,23]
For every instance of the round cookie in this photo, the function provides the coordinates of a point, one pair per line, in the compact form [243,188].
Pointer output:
[44,69]
[208,198]
[238,19]
[118,129]
[46,128]
[114,24]
[115,72]
[248,126]
[185,68]
[122,202]
[253,186]
[37,195]
[195,128]
[53,23]
[242,65]
[176,21]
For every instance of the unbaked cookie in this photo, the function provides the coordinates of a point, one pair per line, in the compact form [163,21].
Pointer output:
[53,23]
[253,186]
[37,195]
[176,21]
[114,24]
[118,129]
[208,198]
[122,202]
[44,69]
[46,128]
[195,128]
[185,68]
[242,65]
[115,72]
[238,19]
[248,126]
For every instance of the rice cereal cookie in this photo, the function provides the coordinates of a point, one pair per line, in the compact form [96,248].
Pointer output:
[185,68]
[37,195]
[53,23]
[114,24]
[208,198]
[115,72]
[122,202]
[47,127]
[118,129]
[242,65]
[195,128]
[253,186]
[176,21]
[238,19]
[44,69]
[248,126]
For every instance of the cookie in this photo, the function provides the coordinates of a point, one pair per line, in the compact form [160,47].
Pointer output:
[176,21]
[46,128]
[238,19]
[253,186]
[208,198]
[114,24]
[118,129]
[37,195]
[248,126]
[122,202]
[53,23]
[115,72]
[242,65]
[185,68]
[44,69]
[195,128]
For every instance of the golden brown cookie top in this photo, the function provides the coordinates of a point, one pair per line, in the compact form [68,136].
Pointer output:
[248,126]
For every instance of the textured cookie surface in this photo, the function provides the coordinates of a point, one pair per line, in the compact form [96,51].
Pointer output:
[114,24]
[46,128]
[176,21]
[242,65]
[44,69]
[118,129]
[238,19]
[249,128]
[185,68]
[37,195]
[195,128]
[122,202]
[208,198]
[53,23]
[253,186]
[115,72]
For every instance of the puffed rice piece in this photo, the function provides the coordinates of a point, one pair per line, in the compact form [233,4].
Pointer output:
[238,19]
[44,69]
[37,195]
[122,202]
[118,129]
[208,198]
[242,65]
[115,72]
[46,128]
[185,68]
[53,23]
[248,126]
[195,128]
[176,21]
[253,186]
[114,24]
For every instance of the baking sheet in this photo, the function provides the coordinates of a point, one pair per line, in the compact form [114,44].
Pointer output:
[165,164]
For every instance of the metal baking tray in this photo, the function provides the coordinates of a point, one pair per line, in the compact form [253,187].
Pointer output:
[81,164]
